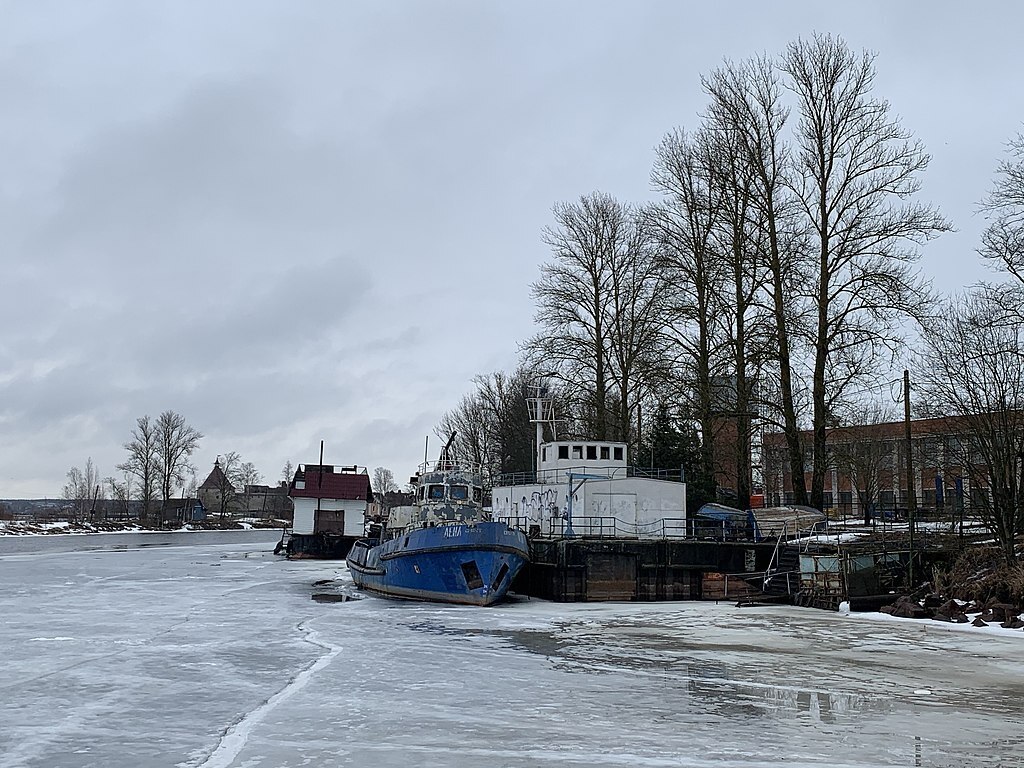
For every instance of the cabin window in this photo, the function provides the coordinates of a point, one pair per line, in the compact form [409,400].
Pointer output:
[436,492]
[544,453]
[563,451]
[591,452]
[502,573]
[604,452]
[618,453]
[577,451]
[423,494]
[472,575]
[459,492]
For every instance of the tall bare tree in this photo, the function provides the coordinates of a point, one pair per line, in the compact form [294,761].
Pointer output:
[492,424]
[747,107]
[685,224]
[83,489]
[512,436]
[142,462]
[854,172]
[1002,242]
[176,441]
[468,423]
[593,246]
[746,327]
[971,375]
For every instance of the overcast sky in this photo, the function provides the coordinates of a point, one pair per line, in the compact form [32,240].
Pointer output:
[304,221]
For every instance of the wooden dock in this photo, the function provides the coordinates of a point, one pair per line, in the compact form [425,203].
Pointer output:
[605,569]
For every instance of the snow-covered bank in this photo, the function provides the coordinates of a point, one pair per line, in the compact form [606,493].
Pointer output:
[991,630]
[34,528]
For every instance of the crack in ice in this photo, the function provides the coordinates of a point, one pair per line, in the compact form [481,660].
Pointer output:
[237,734]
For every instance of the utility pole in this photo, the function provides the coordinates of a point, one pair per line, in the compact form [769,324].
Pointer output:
[911,491]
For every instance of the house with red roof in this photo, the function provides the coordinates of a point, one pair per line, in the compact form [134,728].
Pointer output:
[330,501]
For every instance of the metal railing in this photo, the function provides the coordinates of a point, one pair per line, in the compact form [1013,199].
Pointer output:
[553,477]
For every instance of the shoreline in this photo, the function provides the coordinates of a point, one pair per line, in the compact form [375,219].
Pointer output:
[20,528]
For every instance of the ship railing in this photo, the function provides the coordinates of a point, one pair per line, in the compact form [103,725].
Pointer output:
[656,473]
[608,526]
[450,465]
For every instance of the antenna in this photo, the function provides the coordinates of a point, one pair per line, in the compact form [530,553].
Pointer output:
[542,411]
[319,480]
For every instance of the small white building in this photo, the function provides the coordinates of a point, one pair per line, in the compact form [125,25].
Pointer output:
[330,499]
[588,484]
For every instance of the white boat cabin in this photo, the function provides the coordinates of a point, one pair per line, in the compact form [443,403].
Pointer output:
[585,487]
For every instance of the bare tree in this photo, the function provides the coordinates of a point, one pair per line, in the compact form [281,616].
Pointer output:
[142,462]
[244,477]
[121,494]
[287,473]
[635,327]
[685,224]
[176,441]
[383,482]
[593,247]
[468,423]
[971,375]
[747,108]
[863,450]
[511,435]
[854,170]
[492,424]
[1002,243]
[83,489]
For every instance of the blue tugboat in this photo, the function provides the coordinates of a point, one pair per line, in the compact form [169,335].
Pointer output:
[442,549]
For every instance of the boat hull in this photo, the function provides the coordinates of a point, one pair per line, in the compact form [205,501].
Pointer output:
[468,563]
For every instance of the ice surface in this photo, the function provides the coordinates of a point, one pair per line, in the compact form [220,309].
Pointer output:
[213,654]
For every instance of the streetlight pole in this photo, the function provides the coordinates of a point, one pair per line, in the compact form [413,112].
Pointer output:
[911,490]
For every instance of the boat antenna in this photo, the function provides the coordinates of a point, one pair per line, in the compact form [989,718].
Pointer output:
[445,459]
[426,444]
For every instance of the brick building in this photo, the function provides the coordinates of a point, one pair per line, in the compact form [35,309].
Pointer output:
[867,466]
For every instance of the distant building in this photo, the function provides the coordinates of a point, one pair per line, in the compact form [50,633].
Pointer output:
[181,512]
[266,501]
[876,455]
[217,494]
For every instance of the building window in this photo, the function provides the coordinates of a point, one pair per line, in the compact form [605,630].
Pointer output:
[604,452]
[618,453]
[577,451]
[592,452]
[563,451]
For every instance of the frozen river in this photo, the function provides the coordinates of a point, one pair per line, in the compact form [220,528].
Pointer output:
[196,653]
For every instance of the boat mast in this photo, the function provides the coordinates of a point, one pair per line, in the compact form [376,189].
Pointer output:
[319,481]
[542,411]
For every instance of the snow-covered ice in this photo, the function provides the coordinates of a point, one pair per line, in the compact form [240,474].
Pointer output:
[212,655]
